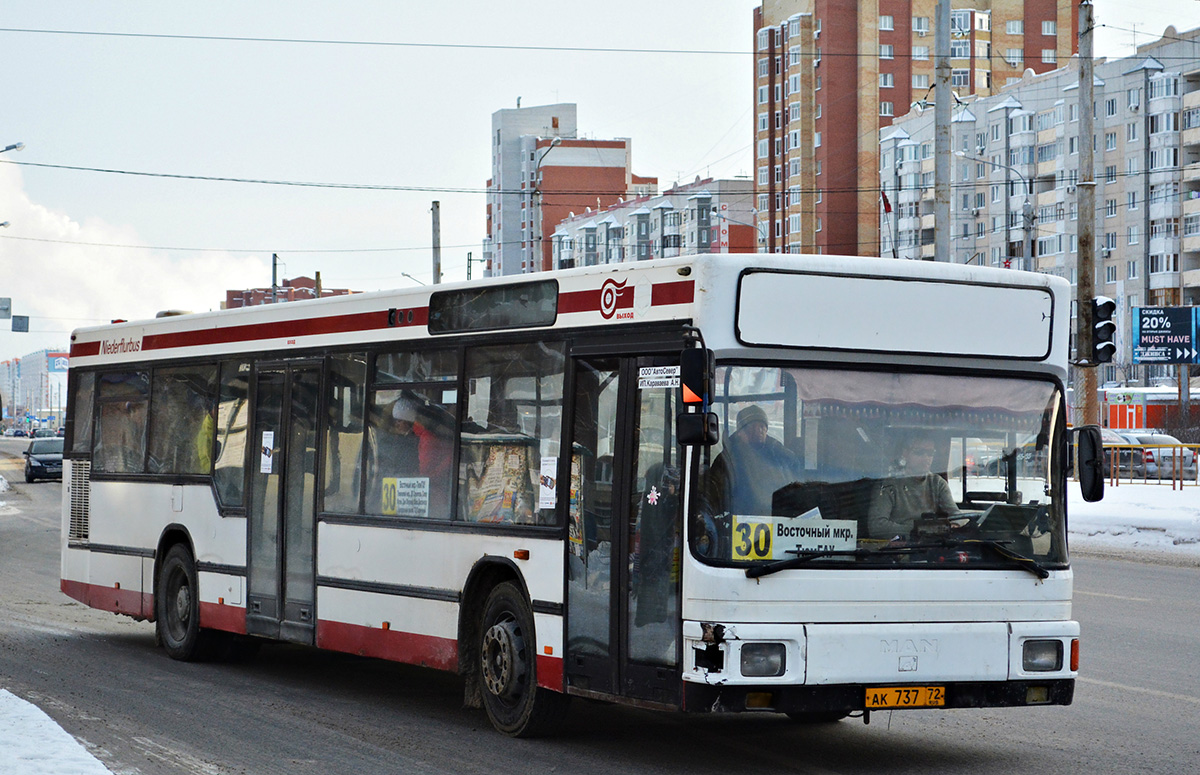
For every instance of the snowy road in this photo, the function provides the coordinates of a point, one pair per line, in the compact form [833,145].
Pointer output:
[299,711]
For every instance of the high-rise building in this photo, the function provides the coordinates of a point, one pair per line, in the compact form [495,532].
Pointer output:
[830,74]
[542,172]
[1015,170]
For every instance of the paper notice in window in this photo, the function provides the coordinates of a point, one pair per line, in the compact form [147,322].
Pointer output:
[548,484]
[266,462]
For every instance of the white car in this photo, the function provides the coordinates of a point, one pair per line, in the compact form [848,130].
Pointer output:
[1162,456]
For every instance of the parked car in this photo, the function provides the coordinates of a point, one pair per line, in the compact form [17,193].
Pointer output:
[1161,456]
[1121,445]
[20,432]
[43,459]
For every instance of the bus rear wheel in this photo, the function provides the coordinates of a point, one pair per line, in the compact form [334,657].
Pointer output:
[514,703]
[177,606]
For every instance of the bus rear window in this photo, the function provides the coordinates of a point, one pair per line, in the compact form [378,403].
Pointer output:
[520,305]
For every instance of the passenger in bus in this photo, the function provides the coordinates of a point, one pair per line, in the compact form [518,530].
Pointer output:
[752,467]
[911,492]
[431,456]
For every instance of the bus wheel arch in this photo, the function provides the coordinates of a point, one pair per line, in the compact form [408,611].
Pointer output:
[488,573]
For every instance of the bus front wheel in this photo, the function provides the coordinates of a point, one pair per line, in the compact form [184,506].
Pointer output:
[507,652]
[177,606]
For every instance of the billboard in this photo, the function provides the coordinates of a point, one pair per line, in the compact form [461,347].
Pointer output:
[1165,335]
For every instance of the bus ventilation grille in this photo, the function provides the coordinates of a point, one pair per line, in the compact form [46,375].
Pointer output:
[80,499]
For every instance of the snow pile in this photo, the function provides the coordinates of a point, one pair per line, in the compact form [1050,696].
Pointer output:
[1138,517]
[3,484]
[33,744]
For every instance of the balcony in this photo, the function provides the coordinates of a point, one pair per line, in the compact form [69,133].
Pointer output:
[1191,173]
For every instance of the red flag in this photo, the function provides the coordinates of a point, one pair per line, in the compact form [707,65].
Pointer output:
[887,206]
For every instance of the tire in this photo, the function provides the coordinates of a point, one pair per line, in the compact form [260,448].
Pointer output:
[177,607]
[29,477]
[507,652]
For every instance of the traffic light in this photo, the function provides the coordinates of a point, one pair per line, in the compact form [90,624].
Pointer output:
[1104,330]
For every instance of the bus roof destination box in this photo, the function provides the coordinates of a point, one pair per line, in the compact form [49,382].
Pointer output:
[937,317]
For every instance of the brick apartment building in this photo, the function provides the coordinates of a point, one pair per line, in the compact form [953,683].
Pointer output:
[830,74]
[296,289]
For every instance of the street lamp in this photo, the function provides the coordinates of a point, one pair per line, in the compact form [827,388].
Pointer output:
[535,203]
[13,147]
[1026,210]
[762,239]
[415,280]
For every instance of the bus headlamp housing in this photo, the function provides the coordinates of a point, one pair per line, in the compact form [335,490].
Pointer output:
[1042,656]
[764,660]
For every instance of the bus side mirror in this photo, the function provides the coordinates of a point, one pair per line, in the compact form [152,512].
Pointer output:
[697,429]
[1089,456]
[696,368]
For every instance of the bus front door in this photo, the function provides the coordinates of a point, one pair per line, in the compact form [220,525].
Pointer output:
[623,554]
[282,575]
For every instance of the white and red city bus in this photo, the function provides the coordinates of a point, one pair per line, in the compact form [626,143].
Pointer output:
[507,480]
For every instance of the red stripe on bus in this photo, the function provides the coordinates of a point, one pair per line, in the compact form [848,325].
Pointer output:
[550,673]
[283,329]
[120,601]
[218,616]
[427,650]
[680,292]
[661,294]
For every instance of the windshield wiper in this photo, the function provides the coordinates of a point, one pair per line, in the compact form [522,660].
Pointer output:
[804,557]
[1023,562]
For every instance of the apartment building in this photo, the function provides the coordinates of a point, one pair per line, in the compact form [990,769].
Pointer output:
[704,216]
[1016,170]
[542,171]
[831,74]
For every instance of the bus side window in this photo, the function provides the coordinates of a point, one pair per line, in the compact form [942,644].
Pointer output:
[511,433]
[182,420]
[79,419]
[121,422]
[233,416]
[410,432]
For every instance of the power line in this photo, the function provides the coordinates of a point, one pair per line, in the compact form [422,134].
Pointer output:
[379,43]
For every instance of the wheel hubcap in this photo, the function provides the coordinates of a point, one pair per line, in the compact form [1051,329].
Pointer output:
[503,661]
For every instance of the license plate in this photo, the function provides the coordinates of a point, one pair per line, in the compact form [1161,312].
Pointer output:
[905,697]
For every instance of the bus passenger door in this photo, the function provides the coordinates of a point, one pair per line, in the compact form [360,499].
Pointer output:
[624,514]
[281,542]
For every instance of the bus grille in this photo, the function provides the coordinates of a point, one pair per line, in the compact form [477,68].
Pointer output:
[80,499]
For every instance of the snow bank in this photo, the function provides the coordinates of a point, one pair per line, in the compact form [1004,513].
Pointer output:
[33,744]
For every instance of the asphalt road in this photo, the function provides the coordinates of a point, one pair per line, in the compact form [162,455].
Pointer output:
[295,710]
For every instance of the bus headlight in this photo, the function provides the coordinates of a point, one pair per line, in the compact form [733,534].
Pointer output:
[1042,656]
[763,660]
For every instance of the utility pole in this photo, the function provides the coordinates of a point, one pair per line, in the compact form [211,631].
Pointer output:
[274,277]
[437,242]
[1085,287]
[941,137]
[319,290]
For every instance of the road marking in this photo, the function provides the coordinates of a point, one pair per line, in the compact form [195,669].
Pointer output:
[1113,597]
[1140,690]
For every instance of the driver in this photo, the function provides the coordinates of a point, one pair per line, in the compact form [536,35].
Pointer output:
[902,499]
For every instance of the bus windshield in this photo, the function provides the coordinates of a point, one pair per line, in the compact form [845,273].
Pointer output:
[822,468]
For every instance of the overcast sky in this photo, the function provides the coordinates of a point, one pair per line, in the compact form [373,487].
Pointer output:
[394,116]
